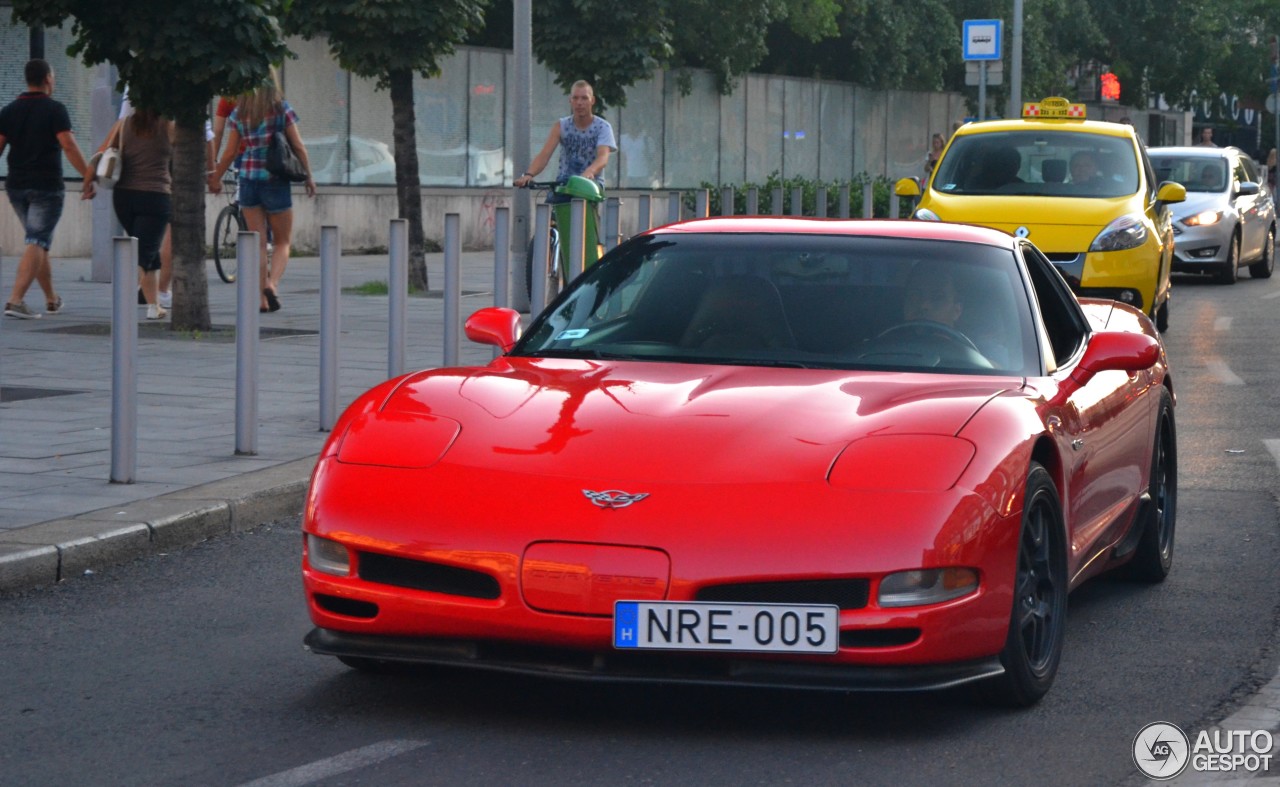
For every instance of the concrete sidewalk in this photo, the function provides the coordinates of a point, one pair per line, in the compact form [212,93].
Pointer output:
[60,515]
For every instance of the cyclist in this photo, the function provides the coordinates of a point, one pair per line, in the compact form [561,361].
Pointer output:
[584,138]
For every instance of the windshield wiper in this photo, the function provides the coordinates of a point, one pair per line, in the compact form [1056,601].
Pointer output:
[580,352]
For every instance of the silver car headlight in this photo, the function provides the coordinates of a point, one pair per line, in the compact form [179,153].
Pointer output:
[1126,232]
[924,214]
[1203,218]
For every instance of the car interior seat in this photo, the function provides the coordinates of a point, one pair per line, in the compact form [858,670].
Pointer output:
[1053,170]
[739,313]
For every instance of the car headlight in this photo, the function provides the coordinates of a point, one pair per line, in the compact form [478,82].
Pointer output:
[328,556]
[926,586]
[1203,219]
[1126,232]
[924,214]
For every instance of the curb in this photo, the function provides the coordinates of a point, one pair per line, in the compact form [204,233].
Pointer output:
[53,551]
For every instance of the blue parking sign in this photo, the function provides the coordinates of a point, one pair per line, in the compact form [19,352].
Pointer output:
[982,39]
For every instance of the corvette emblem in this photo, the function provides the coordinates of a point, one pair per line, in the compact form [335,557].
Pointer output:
[614,498]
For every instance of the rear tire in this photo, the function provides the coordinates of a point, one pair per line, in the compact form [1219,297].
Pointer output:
[1231,272]
[1154,554]
[1162,317]
[1038,621]
[225,231]
[1263,268]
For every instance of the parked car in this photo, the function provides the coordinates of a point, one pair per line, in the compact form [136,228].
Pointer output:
[1228,220]
[1083,191]
[757,451]
[353,161]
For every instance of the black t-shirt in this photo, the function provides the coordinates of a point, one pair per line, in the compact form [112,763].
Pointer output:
[31,126]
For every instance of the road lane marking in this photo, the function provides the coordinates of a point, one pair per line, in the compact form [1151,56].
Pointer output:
[338,764]
[1218,368]
[1222,324]
[1274,447]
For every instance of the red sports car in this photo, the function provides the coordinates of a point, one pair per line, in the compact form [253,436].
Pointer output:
[760,451]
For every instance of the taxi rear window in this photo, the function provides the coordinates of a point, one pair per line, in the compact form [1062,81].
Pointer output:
[1045,163]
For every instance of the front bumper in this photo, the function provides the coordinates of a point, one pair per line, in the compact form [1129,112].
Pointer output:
[1201,249]
[647,667]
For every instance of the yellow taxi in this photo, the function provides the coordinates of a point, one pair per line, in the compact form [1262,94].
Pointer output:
[1084,192]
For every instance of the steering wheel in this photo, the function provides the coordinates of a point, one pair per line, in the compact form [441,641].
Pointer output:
[934,333]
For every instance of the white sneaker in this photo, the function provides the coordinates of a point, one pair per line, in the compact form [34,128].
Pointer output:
[165,299]
[20,311]
[155,312]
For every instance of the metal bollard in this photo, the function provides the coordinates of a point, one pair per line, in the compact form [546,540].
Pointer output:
[797,201]
[726,201]
[753,201]
[612,223]
[577,238]
[645,207]
[452,288]
[673,207]
[541,258]
[895,206]
[397,296]
[820,203]
[776,208]
[844,201]
[124,354]
[501,256]
[248,297]
[330,324]
[868,201]
[701,204]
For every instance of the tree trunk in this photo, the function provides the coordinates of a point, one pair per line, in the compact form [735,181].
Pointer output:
[408,187]
[190,280]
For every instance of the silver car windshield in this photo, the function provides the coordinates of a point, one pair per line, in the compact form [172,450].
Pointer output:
[1044,163]
[1206,174]
[796,300]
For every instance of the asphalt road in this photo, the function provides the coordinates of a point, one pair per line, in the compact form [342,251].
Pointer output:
[188,668]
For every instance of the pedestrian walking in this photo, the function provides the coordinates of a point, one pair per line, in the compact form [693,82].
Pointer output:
[36,129]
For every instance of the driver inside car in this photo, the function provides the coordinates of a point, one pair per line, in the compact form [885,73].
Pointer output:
[928,334]
[930,294]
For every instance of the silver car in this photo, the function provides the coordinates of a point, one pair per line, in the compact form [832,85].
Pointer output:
[1228,219]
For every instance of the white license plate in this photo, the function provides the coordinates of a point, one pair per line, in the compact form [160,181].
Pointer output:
[701,625]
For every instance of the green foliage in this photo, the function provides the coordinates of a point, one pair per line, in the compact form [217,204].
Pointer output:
[376,39]
[175,57]
[881,191]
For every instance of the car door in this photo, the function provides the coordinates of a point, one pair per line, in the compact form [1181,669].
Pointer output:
[1253,210]
[1102,431]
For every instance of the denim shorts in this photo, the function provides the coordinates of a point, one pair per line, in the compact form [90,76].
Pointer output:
[39,211]
[273,196]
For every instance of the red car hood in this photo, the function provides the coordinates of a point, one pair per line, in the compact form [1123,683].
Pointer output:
[659,422]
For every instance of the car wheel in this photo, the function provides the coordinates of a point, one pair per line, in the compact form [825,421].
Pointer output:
[1154,556]
[1262,268]
[1162,317]
[1037,626]
[1230,271]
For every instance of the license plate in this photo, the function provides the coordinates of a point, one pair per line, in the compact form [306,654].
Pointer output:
[694,625]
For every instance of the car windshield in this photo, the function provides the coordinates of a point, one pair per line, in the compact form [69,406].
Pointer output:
[1196,173]
[796,300]
[1046,163]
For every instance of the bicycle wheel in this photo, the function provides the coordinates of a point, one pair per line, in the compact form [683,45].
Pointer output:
[225,230]
[553,273]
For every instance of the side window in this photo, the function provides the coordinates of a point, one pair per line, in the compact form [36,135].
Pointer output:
[1251,170]
[1064,323]
[1153,185]
[1241,174]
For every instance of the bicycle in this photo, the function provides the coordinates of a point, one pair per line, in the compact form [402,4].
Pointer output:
[229,224]
[575,187]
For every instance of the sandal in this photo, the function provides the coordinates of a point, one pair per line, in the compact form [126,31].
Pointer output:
[273,300]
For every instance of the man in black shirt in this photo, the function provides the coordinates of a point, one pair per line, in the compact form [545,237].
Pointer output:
[37,131]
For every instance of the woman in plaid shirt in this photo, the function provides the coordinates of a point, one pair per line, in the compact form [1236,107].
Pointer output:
[264,199]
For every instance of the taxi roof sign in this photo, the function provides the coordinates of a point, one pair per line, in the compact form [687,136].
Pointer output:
[1054,107]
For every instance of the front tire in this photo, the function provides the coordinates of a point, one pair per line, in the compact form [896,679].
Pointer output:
[1263,268]
[1037,624]
[1231,272]
[1154,555]
[225,231]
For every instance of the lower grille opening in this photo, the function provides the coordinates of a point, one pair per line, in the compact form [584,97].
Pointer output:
[878,638]
[346,606]
[843,593]
[421,575]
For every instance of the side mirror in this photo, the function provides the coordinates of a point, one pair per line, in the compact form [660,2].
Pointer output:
[907,187]
[1115,351]
[1248,188]
[1170,192]
[495,325]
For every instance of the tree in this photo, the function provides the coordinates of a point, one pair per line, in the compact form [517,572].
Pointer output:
[389,41]
[175,63]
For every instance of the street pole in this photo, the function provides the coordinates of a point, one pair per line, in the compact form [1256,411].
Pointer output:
[982,90]
[521,112]
[1015,64]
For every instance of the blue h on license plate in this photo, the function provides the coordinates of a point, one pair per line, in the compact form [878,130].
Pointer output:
[694,625]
